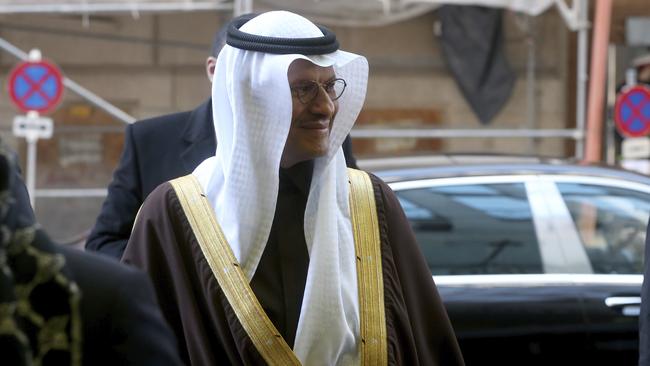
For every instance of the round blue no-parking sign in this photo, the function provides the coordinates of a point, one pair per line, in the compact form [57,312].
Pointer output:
[36,86]
[632,111]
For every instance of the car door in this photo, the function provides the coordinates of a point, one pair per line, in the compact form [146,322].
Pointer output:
[611,217]
[480,238]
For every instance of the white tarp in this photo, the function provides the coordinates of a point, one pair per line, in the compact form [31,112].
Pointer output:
[110,6]
[353,13]
[330,12]
[383,12]
[530,7]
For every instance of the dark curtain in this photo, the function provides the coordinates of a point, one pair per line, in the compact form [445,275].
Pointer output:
[472,44]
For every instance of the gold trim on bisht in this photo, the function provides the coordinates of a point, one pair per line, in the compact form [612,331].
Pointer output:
[365,226]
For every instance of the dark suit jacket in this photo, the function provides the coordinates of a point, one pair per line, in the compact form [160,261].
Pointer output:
[644,316]
[121,321]
[156,150]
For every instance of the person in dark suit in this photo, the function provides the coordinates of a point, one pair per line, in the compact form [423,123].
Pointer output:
[61,306]
[157,150]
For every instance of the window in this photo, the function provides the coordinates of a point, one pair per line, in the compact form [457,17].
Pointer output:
[474,229]
[611,222]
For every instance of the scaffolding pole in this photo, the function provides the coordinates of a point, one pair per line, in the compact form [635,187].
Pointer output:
[582,72]
[242,7]
[370,133]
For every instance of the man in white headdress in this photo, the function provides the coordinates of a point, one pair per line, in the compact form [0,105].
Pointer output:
[272,252]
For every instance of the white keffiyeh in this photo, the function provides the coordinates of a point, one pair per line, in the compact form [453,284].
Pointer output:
[252,107]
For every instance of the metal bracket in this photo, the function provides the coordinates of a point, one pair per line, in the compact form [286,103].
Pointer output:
[573,17]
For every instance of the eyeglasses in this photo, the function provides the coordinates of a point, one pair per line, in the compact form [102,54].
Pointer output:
[307,91]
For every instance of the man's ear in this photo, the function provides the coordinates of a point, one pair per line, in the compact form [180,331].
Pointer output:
[210,64]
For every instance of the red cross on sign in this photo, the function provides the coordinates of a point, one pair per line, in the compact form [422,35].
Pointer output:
[632,111]
[36,86]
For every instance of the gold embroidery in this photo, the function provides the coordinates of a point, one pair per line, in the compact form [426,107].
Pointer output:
[365,227]
[52,333]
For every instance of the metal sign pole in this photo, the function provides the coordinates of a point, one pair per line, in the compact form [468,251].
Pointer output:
[30,178]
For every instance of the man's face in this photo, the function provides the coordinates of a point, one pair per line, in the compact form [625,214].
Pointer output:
[311,120]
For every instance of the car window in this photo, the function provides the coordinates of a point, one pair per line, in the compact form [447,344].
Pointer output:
[611,222]
[474,229]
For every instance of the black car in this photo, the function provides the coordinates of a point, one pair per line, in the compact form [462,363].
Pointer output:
[538,263]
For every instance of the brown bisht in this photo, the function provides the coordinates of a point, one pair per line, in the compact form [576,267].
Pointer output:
[209,333]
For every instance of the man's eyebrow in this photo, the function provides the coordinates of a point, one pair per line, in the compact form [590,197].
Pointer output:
[306,81]
[301,82]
